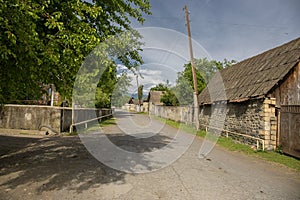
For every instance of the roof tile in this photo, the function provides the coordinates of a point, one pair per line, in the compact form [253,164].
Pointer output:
[255,76]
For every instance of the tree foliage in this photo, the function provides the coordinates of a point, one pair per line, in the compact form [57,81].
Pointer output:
[105,88]
[120,94]
[207,68]
[46,41]
[169,98]
[160,87]
[140,93]
[187,76]
[182,92]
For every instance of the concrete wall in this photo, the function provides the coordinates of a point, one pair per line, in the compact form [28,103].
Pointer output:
[33,117]
[30,117]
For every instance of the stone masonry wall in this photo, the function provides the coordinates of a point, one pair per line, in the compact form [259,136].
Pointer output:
[255,118]
[176,113]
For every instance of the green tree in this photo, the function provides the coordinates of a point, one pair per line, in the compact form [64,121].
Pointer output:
[205,70]
[120,94]
[187,76]
[160,87]
[140,93]
[105,88]
[169,98]
[208,68]
[184,90]
[46,41]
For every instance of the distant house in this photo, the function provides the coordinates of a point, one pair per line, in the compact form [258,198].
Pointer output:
[133,101]
[135,105]
[261,95]
[154,100]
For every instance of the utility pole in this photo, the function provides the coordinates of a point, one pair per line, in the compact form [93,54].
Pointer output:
[137,85]
[196,103]
[52,94]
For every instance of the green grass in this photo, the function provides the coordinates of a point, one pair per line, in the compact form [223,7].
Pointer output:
[93,126]
[143,113]
[175,124]
[107,122]
[70,134]
[25,133]
[232,145]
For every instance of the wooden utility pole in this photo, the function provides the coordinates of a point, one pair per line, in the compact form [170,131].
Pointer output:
[137,85]
[196,103]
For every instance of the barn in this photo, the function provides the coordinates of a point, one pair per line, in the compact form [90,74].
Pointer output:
[262,97]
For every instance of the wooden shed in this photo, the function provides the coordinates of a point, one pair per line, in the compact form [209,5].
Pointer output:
[263,97]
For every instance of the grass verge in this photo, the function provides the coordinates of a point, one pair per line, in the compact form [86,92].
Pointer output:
[93,126]
[232,145]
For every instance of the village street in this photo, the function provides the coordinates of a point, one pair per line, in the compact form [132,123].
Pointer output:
[39,167]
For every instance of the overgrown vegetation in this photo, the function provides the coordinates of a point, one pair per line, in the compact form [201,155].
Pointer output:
[231,145]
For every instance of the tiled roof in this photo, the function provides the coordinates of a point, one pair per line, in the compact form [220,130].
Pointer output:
[253,77]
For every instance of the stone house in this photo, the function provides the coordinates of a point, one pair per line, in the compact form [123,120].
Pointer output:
[257,96]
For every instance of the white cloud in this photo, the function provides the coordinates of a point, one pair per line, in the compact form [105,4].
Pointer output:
[231,29]
[148,72]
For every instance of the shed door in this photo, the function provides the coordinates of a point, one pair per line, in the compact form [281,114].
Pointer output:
[290,130]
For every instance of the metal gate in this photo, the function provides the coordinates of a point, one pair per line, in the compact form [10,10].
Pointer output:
[290,130]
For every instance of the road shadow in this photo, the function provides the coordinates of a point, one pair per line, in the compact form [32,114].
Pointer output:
[55,162]
[62,162]
[137,144]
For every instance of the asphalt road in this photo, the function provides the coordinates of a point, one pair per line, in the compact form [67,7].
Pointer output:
[63,168]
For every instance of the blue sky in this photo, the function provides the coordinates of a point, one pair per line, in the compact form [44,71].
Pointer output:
[232,29]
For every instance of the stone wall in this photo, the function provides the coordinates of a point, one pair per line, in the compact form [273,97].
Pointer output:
[33,117]
[242,117]
[269,123]
[177,113]
[254,118]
